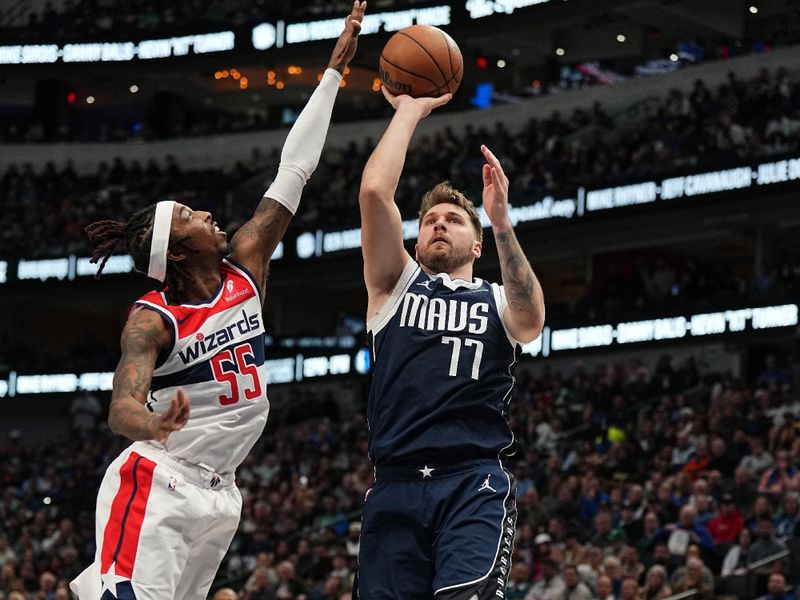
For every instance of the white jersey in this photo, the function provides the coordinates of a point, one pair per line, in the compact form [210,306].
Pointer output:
[217,358]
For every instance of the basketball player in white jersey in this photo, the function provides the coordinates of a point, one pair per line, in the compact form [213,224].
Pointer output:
[168,507]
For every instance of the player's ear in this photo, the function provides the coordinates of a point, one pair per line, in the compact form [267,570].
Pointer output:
[477,247]
[416,252]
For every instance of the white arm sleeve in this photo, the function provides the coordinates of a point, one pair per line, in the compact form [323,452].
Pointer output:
[303,146]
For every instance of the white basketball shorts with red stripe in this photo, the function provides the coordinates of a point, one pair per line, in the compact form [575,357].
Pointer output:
[163,527]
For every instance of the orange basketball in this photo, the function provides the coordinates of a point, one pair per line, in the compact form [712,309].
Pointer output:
[421,61]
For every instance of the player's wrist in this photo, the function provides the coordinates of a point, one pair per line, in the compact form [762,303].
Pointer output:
[332,74]
[502,226]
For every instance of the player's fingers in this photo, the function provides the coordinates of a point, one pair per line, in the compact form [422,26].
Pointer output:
[490,156]
[390,98]
[492,159]
[174,407]
[183,416]
[502,180]
[497,179]
[487,174]
[442,100]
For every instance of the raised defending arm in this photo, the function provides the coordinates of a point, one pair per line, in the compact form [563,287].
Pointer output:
[256,240]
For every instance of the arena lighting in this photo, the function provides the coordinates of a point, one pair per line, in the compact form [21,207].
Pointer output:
[300,366]
[279,370]
[621,38]
[134,88]
[501,64]
[267,35]
[3,271]
[73,266]
[479,9]
[674,57]
[220,41]
[89,99]
[319,243]
[655,330]
[560,52]
[754,10]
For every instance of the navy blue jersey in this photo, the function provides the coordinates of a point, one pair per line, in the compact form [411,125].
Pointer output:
[442,371]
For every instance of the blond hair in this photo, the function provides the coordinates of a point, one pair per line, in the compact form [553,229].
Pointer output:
[445,193]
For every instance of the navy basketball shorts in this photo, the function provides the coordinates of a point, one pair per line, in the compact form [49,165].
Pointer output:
[437,532]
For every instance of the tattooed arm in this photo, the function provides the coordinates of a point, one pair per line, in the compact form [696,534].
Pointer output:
[256,240]
[524,314]
[144,336]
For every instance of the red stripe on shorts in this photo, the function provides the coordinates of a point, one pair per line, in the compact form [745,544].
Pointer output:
[121,536]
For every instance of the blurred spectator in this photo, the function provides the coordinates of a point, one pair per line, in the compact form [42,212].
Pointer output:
[519,581]
[765,544]
[758,460]
[725,527]
[656,586]
[605,590]
[776,588]
[688,531]
[550,586]
[574,588]
[694,576]
[783,477]
[225,594]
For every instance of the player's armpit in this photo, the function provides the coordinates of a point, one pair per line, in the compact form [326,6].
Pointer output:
[143,337]
[253,245]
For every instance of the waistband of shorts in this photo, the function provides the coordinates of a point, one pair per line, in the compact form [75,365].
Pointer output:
[201,476]
[429,471]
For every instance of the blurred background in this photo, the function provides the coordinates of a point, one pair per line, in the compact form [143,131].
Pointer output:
[654,157]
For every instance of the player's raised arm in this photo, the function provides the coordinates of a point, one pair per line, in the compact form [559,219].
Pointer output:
[144,336]
[524,315]
[381,224]
[256,240]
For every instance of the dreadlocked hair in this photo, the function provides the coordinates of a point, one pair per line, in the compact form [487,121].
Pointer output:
[106,236]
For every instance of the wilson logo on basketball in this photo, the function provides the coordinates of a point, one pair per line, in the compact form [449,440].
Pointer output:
[395,85]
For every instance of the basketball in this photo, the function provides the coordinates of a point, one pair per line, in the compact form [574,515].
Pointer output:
[421,61]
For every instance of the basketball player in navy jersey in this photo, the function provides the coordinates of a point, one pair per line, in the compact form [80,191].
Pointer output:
[439,520]
[168,506]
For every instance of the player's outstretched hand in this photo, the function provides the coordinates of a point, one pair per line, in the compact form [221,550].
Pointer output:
[346,45]
[174,418]
[495,191]
[424,105]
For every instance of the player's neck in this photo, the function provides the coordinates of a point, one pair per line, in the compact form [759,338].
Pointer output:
[464,272]
[201,283]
